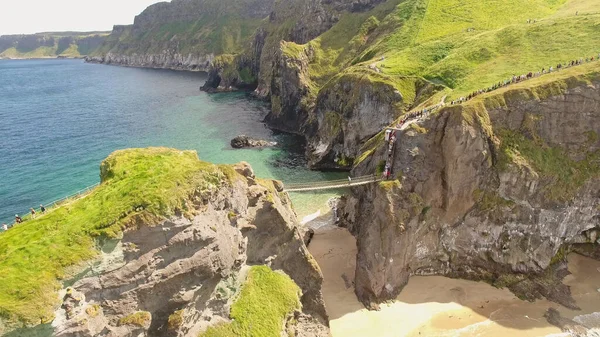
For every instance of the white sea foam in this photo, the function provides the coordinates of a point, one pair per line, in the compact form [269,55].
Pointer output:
[310,217]
[590,320]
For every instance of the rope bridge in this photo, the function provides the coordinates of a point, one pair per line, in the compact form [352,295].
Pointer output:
[331,184]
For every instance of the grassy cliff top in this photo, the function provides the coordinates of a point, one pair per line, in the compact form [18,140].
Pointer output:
[199,26]
[206,35]
[462,45]
[562,170]
[139,186]
[52,44]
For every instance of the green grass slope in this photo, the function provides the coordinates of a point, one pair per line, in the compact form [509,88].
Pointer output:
[465,61]
[265,300]
[50,45]
[463,45]
[449,17]
[216,35]
[193,27]
[138,186]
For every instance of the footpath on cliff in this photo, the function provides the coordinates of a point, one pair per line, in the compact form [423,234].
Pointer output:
[441,306]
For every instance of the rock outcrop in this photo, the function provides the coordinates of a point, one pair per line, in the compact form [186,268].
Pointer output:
[59,44]
[168,59]
[183,35]
[179,276]
[244,141]
[569,326]
[349,111]
[336,112]
[499,189]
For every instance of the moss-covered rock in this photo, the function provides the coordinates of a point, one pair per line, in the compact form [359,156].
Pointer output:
[266,299]
[140,318]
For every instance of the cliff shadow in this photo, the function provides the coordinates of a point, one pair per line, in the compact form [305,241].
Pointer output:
[437,305]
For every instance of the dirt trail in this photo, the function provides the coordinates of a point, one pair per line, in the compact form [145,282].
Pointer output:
[440,306]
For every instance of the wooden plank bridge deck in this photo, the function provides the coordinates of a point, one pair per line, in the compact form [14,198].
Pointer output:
[331,184]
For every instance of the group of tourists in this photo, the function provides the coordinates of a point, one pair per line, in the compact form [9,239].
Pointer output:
[387,170]
[418,114]
[517,79]
[390,136]
[19,219]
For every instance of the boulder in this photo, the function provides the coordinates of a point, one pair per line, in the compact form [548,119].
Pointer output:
[244,141]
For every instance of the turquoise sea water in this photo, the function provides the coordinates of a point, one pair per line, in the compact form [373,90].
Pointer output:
[60,118]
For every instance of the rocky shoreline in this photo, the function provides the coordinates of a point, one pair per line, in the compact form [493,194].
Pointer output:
[160,61]
[44,58]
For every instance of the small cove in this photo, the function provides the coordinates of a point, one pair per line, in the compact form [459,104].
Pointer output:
[60,118]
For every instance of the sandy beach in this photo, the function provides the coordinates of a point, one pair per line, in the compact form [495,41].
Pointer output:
[440,306]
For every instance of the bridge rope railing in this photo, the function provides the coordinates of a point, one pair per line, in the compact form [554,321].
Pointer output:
[327,184]
[53,204]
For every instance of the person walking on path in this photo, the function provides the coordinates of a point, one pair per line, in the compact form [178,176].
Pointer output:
[4,227]
[32,213]
[18,219]
[42,209]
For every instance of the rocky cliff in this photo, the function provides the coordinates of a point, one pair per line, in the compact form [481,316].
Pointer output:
[336,71]
[295,62]
[65,44]
[181,275]
[499,189]
[183,35]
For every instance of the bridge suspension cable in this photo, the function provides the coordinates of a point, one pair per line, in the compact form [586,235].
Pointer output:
[331,184]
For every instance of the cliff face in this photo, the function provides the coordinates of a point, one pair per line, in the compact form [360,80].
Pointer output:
[284,62]
[181,275]
[313,57]
[294,21]
[352,109]
[498,190]
[184,35]
[66,44]
[167,59]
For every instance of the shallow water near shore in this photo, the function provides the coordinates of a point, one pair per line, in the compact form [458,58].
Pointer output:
[60,118]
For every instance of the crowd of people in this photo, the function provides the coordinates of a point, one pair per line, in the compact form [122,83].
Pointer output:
[19,219]
[419,113]
[517,79]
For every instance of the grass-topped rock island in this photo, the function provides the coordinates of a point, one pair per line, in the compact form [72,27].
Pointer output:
[166,245]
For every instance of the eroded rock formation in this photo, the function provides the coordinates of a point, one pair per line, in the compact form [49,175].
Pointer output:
[498,190]
[177,277]
[175,35]
[168,59]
